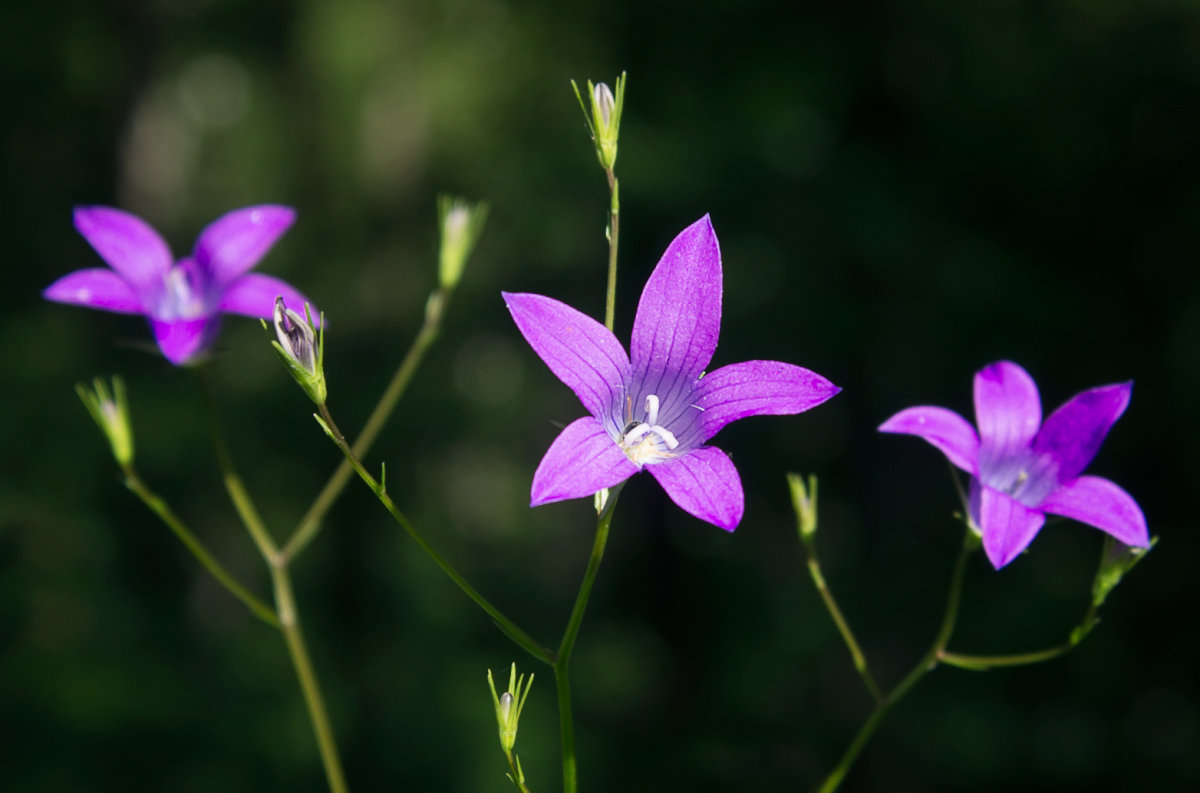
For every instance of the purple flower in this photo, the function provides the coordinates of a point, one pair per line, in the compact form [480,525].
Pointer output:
[1022,469]
[182,300]
[656,408]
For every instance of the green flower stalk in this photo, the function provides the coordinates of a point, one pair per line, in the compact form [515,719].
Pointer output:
[461,223]
[110,411]
[301,347]
[602,112]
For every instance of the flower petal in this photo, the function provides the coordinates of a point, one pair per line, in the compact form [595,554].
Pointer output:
[757,388]
[582,460]
[182,340]
[579,350]
[952,434]
[704,483]
[1008,413]
[1072,434]
[1007,525]
[679,314]
[234,242]
[1103,504]
[98,288]
[127,244]
[253,295]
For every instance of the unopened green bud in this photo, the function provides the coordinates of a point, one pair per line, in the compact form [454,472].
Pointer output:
[804,503]
[110,411]
[461,223]
[301,347]
[1117,560]
[602,112]
[509,706]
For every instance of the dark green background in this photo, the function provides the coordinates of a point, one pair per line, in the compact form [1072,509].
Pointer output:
[904,192]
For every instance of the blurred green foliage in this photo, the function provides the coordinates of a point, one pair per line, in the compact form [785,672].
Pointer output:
[903,192]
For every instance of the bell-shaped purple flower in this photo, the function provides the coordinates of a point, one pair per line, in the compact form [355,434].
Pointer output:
[184,300]
[1022,469]
[656,408]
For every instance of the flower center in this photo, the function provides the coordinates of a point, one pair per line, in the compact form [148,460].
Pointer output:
[1028,479]
[180,297]
[647,442]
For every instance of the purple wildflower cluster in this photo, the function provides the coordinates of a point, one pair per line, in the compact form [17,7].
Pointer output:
[655,408]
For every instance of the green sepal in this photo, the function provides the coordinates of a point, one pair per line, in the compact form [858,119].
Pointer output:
[602,114]
[110,411]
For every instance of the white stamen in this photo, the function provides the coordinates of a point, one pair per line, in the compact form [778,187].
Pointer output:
[652,410]
[666,435]
[636,433]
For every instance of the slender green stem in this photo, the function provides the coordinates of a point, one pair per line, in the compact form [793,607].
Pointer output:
[856,653]
[310,524]
[804,504]
[924,666]
[510,628]
[562,678]
[566,721]
[980,663]
[614,217]
[515,773]
[290,622]
[285,602]
[603,522]
[233,482]
[159,507]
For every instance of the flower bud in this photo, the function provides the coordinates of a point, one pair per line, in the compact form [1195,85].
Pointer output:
[110,411]
[602,113]
[509,706]
[804,503]
[1117,560]
[461,223]
[301,347]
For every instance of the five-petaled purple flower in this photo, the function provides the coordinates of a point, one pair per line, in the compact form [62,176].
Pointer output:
[656,408]
[1022,469]
[183,301]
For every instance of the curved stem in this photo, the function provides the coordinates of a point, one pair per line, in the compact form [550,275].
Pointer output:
[924,666]
[981,663]
[562,679]
[310,525]
[507,626]
[159,507]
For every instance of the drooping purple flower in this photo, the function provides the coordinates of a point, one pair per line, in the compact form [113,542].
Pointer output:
[656,408]
[1022,469]
[184,300]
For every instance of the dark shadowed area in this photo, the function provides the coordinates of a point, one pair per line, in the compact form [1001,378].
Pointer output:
[903,192]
